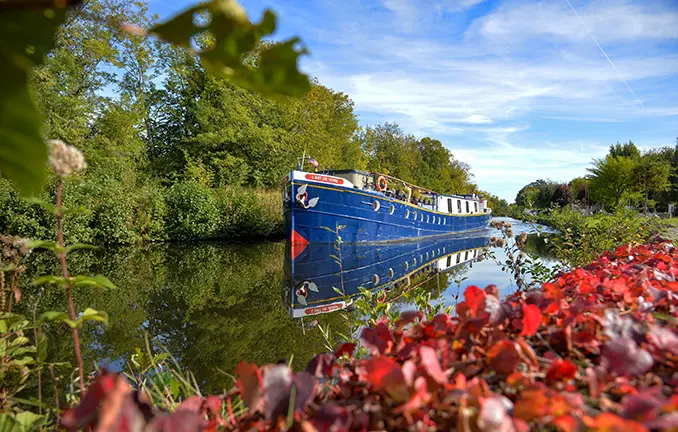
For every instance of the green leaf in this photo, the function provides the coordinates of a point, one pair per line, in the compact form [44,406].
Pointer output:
[54,316]
[79,246]
[49,245]
[92,315]
[26,35]
[234,37]
[98,281]
[50,279]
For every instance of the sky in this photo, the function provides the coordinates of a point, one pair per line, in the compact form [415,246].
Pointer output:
[519,90]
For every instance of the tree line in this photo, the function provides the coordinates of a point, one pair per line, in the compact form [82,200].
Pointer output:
[626,176]
[171,148]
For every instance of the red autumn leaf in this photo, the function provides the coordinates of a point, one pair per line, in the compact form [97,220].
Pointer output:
[420,397]
[567,423]
[345,348]
[384,373]
[278,383]
[623,357]
[86,412]
[608,422]
[181,421]
[561,370]
[320,366]
[552,291]
[531,320]
[378,339]
[503,357]
[250,384]
[532,404]
[429,360]
[192,404]
[212,405]
[474,298]
[408,317]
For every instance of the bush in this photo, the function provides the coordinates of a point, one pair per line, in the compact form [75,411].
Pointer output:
[583,238]
[248,212]
[192,213]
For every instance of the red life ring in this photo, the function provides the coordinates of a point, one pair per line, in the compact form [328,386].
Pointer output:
[382,184]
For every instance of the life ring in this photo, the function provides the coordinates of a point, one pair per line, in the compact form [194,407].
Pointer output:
[382,184]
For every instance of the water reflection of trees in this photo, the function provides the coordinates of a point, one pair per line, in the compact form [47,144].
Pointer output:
[211,305]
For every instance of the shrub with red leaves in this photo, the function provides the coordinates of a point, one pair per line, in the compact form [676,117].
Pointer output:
[596,349]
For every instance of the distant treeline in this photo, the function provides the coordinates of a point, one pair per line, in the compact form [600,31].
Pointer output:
[626,176]
[175,153]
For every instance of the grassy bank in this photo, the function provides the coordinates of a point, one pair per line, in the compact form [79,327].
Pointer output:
[583,238]
[185,211]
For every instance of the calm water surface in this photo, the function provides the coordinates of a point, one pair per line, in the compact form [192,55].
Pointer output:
[212,305]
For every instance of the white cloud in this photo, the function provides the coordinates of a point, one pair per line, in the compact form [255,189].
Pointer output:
[608,20]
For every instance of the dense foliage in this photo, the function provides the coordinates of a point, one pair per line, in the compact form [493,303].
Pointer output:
[626,176]
[597,349]
[155,124]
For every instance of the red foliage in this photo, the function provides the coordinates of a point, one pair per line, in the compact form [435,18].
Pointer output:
[596,349]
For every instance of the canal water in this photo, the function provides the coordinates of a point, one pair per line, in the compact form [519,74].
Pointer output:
[212,305]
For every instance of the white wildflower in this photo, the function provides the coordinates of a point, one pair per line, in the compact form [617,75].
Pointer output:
[64,159]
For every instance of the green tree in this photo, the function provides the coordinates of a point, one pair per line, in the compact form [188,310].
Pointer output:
[611,181]
[627,149]
[651,175]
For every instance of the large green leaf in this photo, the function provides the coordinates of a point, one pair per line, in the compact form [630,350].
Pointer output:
[233,37]
[26,35]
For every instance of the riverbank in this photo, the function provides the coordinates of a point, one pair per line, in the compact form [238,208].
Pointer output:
[584,238]
[185,211]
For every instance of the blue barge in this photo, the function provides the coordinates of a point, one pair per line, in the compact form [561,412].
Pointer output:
[371,207]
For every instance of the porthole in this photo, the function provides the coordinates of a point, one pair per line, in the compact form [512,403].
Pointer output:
[427,218]
[407,265]
[407,213]
[421,258]
[375,279]
[439,251]
[445,221]
[444,249]
[376,206]
[414,261]
[422,217]
[415,215]
[391,273]
[392,210]
[427,256]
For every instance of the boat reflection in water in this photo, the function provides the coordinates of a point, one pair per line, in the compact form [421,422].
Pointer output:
[314,275]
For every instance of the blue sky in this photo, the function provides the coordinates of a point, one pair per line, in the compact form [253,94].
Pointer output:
[519,90]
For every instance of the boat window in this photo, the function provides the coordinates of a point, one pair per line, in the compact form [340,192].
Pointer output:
[449,205]
[407,265]
[458,257]
[449,260]
[468,210]
[458,206]
[390,273]
[393,209]
[475,204]
[407,213]
[466,256]
[375,279]
[426,256]
[427,218]
[376,206]
[422,217]
[415,215]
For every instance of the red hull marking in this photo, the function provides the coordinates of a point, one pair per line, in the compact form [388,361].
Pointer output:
[323,309]
[324,179]
[298,243]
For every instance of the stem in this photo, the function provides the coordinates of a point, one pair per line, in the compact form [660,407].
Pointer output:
[37,358]
[2,290]
[67,287]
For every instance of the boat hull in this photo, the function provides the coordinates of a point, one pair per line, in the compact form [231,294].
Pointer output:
[315,212]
